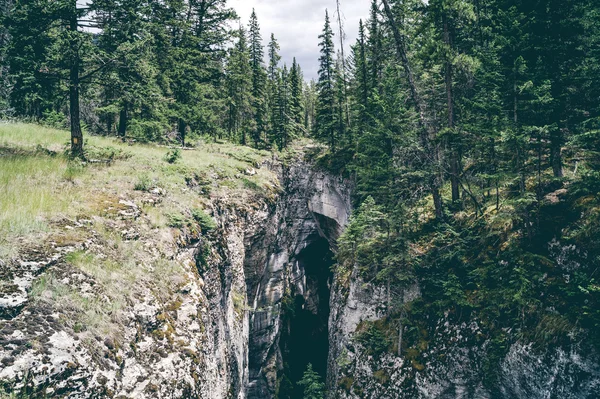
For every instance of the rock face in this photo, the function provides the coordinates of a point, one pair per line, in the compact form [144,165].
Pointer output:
[452,363]
[204,316]
[314,206]
[239,312]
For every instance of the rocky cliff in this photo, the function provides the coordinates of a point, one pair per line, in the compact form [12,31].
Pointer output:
[199,313]
[456,360]
[116,304]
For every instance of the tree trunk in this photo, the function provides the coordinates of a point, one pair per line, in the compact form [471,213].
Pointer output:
[401,50]
[123,120]
[437,199]
[400,333]
[346,105]
[454,162]
[428,133]
[76,133]
[556,152]
[109,124]
[520,161]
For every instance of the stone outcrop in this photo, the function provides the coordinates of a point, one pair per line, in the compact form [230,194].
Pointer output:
[213,324]
[454,360]
[313,205]
[217,333]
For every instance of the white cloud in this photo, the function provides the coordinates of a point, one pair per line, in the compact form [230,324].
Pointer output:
[298,23]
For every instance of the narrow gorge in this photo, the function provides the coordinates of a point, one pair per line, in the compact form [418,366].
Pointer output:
[240,310]
[248,303]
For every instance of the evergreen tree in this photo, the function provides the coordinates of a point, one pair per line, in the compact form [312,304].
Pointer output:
[326,112]
[309,100]
[312,385]
[259,82]
[47,47]
[375,47]
[360,81]
[340,101]
[273,88]
[5,7]
[274,58]
[130,82]
[194,48]
[239,83]
[283,123]
[296,111]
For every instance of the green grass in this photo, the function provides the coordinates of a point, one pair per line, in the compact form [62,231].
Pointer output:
[29,135]
[38,183]
[31,189]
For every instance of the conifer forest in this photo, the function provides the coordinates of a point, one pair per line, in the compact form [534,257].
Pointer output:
[408,207]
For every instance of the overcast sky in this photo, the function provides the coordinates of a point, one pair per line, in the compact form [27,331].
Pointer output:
[298,23]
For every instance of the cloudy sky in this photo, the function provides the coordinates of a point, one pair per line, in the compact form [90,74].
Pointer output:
[298,23]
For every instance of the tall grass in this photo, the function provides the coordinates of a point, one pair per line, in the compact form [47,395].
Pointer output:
[31,189]
[29,135]
[37,183]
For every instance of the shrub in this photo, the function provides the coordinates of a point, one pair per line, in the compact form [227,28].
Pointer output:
[374,340]
[57,120]
[144,183]
[106,154]
[346,383]
[205,221]
[173,156]
[176,220]
[382,377]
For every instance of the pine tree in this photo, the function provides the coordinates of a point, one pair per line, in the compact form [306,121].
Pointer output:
[48,46]
[312,385]
[449,18]
[259,82]
[326,111]
[374,48]
[273,88]
[274,58]
[340,101]
[130,82]
[283,128]
[309,100]
[296,111]
[193,44]
[360,81]
[5,7]
[239,83]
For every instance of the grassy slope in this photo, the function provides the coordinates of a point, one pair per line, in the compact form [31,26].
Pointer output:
[48,202]
[38,184]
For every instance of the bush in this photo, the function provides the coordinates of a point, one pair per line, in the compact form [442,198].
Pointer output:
[176,220]
[144,183]
[106,154]
[54,119]
[205,221]
[374,340]
[173,156]
[146,131]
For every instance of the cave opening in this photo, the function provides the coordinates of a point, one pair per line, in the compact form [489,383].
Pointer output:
[305,337]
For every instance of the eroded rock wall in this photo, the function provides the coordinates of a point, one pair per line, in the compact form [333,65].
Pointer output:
[454,362]
[203,315]
[313,205]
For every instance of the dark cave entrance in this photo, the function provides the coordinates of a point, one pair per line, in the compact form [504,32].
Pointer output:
[305,336]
